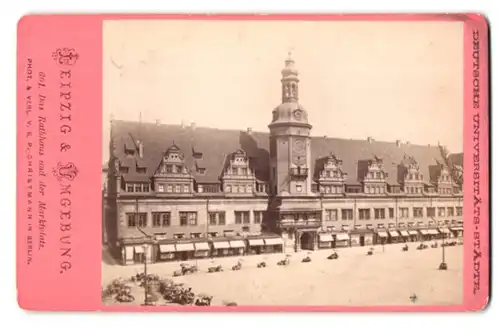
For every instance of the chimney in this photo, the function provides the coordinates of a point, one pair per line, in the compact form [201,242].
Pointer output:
[325,137]
[370,139]
[398,143]
[249,130]
[407,142]
[157,122]
[182,124]
[193,126]
[141,148]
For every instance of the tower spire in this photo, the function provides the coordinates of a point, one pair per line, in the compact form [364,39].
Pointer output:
[289,80]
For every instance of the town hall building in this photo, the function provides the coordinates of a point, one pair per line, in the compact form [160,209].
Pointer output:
[176,192]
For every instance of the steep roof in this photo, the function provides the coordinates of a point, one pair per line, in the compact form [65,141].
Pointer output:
[216,144]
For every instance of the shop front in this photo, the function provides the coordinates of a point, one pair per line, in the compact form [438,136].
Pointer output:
[325,241]
[445,232]
[201,249]
[405,235]
[394,237]
[413,235]
[342,239]
[136,253]
[457,231]
[166,252]
[184,251]
[433,234]
[220,248]
[237,247]
[256,246]
[273,245]
[381,237]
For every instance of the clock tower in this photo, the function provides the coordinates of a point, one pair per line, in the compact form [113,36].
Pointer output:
[290,140]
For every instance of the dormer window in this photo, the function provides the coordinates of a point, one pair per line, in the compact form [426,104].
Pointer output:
[141,170]
[235,171]
[201,171]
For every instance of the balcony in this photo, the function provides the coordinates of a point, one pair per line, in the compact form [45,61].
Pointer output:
[299,172]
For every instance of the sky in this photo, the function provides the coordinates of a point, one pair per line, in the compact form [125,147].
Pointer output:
[386,80]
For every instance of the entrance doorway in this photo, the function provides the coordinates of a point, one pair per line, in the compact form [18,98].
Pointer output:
[362,240]
[307,241]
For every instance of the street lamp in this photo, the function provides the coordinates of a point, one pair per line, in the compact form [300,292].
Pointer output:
[442,265]
[145,248]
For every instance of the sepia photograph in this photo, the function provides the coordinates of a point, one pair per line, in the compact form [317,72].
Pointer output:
[282,163]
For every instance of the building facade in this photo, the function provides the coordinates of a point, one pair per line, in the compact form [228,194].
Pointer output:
[193,192]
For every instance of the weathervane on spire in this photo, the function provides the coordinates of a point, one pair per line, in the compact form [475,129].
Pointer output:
[290,52]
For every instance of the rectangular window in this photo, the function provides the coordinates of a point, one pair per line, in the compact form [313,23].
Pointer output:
[222,218]
[431,212]
[212,218]
[364,214]
[347,214]
[441,211]
[161,188]
[331,215]
[380,213]
[418,212]
[178,168]
[169,169]
[235,171]
[403,212]
[244,171]
[161,219]
[451,211]
[137,188]
[188,218]
[391,212]
[130,219]
[177,189]
[459,211]
[142,220]
[257,217]
[145,187]
[242,217]
[169,188]
[130,187]
[186,188]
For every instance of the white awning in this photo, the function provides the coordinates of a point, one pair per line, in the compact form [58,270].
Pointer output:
[139,249]
[432,232]
[413,232]
[444,230]
[273,241]
[256,242]
[404,233]
[221,245]
[184,247]
[424,231]
[201,246]
[325,237]
[457,228]
[382,234]
[342,237]
[394,233]
[129,252]
[237,244]
[167,248]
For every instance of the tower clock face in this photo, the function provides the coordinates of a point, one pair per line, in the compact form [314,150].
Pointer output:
[297,114]
[299,146]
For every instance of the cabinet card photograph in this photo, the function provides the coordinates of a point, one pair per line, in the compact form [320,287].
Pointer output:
[273,163]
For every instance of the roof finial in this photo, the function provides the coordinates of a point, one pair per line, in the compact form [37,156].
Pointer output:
[290,52]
